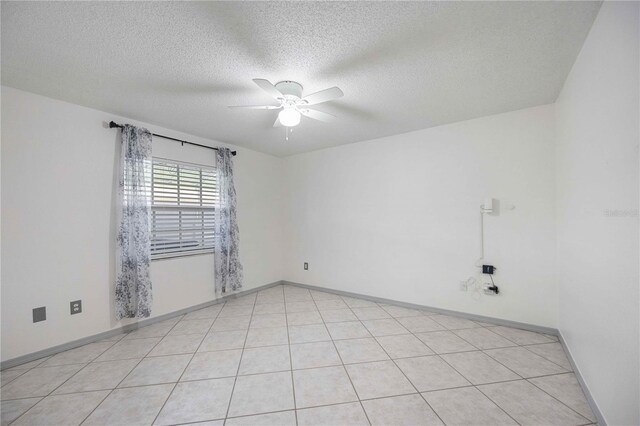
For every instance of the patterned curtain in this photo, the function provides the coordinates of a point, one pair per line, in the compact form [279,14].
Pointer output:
[228,270]
[133,249]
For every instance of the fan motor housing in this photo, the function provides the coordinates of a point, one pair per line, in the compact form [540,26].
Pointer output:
[290,89]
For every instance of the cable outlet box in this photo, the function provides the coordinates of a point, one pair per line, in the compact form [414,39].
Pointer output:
[488,269]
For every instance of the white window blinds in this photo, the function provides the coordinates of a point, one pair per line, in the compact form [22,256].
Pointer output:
[182,208]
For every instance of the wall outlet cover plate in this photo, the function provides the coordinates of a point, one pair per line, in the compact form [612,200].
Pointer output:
[75,307]
[39,314]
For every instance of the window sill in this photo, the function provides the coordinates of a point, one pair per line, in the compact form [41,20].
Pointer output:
[180,254]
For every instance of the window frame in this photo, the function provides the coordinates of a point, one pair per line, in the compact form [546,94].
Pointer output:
[169,207]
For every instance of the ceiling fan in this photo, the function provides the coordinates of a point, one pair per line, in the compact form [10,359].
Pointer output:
[292,104]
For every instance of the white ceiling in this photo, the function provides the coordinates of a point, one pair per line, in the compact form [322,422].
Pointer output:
[402,65]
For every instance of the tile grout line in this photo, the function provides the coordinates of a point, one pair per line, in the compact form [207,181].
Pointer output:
[344,368]
[521,377]
[442,359]
[422,314]
[551,361]
[188,363]
[492,332]
[297,369]
[433,354]
[398,367]
[456,370]
[19,375]
[478,389]
[501,363]
[127,375]
[42,360]
[293,385]
[534,377]
[244,344]
[301,369]
[528,381]
[319,406]
[516,345]
[65,381]
[345,403]
[431,310]
[496,404]
[445,328]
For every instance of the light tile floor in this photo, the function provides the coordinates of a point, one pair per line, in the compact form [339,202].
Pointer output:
[288,355]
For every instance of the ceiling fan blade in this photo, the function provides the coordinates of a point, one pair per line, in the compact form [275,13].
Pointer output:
[277,122]
[269,88]
[324,96]
[317,115]
[254,107]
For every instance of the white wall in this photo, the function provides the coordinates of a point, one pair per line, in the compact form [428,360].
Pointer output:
[597,200]
[398,217]
[395,217]
[58,222]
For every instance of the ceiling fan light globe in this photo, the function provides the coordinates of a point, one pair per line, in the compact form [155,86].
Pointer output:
[289,117]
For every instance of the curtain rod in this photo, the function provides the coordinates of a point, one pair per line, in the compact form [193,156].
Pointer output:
[113,124]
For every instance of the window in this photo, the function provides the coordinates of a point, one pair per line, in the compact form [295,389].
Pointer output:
[182,208]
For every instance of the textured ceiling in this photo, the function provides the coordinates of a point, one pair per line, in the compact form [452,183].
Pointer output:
[402,65]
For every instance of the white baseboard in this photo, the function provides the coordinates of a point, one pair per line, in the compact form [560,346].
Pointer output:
[491,320]
[498,321]
[585,389]
[124,329]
